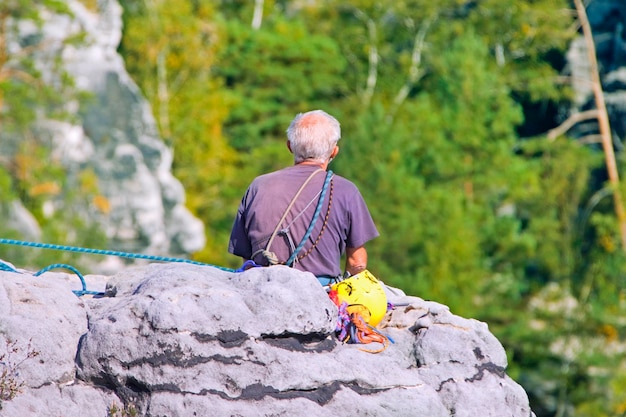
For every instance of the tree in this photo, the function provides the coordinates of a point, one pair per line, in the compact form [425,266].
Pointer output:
[273,73]
[22,90]
[170,50]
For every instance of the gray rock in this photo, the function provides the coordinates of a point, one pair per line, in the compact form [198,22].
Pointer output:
[22,220]
[46,317]
[115,135]
[61,400]
[182,339]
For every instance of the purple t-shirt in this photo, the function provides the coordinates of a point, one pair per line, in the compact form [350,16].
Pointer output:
[349,222]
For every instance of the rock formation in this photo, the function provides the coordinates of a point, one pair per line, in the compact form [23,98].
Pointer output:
[115,135]
[190,340]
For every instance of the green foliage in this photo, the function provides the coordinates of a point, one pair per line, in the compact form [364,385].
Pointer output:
[29,172]
[444,174]
[517,232]
[64,207]
[523,36]
[126,411]
[273,73]
[22,91]
[170,49]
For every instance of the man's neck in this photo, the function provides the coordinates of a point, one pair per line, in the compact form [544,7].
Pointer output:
[314,163]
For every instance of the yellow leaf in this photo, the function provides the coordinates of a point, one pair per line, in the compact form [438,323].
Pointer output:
[102,204]
[50,187]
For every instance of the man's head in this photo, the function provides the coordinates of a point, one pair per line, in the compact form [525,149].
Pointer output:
[313,136]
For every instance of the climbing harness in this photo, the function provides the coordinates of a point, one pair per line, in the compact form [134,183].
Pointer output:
[270,256]
[9,268]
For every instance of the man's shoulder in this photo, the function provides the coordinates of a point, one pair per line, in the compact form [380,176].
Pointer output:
[268,177]
[344,183]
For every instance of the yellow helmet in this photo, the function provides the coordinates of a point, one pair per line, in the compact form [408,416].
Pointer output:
[364,295]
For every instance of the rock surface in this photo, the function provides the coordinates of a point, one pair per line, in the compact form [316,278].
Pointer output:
[143,205]
[185,340]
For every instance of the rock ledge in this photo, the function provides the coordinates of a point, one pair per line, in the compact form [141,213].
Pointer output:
[187,340]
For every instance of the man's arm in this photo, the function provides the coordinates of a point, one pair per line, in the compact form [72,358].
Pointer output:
[356,260]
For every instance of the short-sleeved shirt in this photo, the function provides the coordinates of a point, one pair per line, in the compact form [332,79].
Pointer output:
[349,222]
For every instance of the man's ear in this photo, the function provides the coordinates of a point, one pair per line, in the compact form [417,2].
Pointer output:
[334,152]
[289,146]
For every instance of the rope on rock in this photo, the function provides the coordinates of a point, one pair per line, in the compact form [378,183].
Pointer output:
[351,326]
[6,267]
[105,252]
[79,293]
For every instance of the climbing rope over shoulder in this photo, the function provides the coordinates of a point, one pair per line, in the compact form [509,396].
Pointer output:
[318,208]
[270,256]
[6,267]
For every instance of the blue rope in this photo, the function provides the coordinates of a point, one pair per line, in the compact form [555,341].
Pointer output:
[105,252]
[74,270]
[292,258]
[7,267]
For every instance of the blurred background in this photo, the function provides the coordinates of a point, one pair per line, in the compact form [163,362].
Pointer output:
[474,130]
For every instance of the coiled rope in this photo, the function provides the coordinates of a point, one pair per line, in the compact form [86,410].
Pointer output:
[6,267]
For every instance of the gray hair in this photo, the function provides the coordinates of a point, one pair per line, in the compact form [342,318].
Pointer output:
[313,136]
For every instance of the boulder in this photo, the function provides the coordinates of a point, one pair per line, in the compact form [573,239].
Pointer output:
[140,205]
[182,340]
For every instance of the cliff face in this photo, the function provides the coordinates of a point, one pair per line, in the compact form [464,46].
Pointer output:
[115,135]
[187,340]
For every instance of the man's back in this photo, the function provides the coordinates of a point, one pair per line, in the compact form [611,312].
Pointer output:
[347,223]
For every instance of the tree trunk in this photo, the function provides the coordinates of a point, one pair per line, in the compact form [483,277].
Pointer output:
[257,18]
[603,120]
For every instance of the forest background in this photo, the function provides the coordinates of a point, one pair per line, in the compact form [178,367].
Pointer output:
[445,107]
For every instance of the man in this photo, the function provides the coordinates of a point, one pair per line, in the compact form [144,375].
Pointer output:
[278,208]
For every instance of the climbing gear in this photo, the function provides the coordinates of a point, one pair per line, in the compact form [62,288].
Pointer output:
[315,216]
[354,320]
[4,266]
[364,295]
[270,256]
[327,281]
[359,299]
[102,252]
[9,268]
[353,329]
